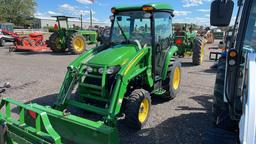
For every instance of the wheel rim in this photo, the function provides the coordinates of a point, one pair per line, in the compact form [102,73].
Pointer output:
[79,44]
[202,54]
[58,43]
[176,78]
[143,111]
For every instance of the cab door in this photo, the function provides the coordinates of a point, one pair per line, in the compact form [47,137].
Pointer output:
[162,41]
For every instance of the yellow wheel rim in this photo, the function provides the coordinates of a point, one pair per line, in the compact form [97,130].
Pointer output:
[79,44]
[58,43]
[144,110]
[176,78]
[202,54]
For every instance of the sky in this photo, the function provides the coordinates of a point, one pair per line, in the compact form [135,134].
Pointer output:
[189,11]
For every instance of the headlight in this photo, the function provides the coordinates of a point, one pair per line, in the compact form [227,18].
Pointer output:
[112,70]
[89,69]
[100,70]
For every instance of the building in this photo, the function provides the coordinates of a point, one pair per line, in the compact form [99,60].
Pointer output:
[39,23]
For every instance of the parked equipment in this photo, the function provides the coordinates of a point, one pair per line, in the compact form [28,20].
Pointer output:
[234,108]
[189,43]
[114,80]
[72,40]
[33,42]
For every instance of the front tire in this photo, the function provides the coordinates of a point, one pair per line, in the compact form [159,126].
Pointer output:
[55,43]
[173,80]
[220,109]
[137,109]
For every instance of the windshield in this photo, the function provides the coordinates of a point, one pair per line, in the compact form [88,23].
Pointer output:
[250,35]
[132,26]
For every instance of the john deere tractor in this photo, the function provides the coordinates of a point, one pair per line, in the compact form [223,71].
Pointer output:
[72,40]
[114,80]
[189,43]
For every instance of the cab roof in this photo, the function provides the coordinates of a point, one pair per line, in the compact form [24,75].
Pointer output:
[156,6]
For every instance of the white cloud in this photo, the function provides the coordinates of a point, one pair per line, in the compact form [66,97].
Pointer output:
[192,3]
[181,13]
[203,10]
[85,1]
[53,13]
[74,10]
[67,7]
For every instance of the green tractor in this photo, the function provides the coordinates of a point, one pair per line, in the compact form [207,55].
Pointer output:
[112,81]
[72,40]
[189,43]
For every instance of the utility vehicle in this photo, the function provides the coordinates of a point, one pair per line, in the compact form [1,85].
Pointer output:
[234,108]
[72,40]
[114,80]
[5,38]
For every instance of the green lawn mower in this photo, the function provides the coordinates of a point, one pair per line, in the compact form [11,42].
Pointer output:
[189,43]
[72,40]
[114,80]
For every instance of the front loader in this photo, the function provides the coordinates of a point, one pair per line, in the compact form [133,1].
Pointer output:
[112,81]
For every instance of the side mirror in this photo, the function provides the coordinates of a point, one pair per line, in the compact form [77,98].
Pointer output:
[221,12]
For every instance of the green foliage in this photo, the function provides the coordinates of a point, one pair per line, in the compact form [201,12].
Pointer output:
[18,12]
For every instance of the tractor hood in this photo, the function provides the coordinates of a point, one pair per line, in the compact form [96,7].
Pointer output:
[117,55]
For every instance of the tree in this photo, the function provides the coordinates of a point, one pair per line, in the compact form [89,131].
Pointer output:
[17,11]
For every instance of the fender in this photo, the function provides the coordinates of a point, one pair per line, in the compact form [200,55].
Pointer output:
[169,56]
[125,74]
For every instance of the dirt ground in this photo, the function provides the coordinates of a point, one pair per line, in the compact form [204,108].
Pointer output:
[38,76]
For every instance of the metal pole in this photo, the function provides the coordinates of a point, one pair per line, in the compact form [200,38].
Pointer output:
[81,18]
[91,16]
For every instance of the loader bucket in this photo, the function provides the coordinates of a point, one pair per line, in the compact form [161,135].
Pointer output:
[42,124]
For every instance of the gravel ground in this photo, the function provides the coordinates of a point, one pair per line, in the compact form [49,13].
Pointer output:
[38,76]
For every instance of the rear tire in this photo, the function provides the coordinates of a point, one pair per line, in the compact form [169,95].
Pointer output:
[198,51]
[77,43]
[172,83]
[55,43]
[218,103]
[137,109]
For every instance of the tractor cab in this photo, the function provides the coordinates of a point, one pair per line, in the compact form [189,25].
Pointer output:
[147,26]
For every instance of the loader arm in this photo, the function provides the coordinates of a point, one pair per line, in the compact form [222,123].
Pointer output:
[74,73]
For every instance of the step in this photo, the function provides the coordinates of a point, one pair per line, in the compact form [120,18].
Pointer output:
[91,86]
